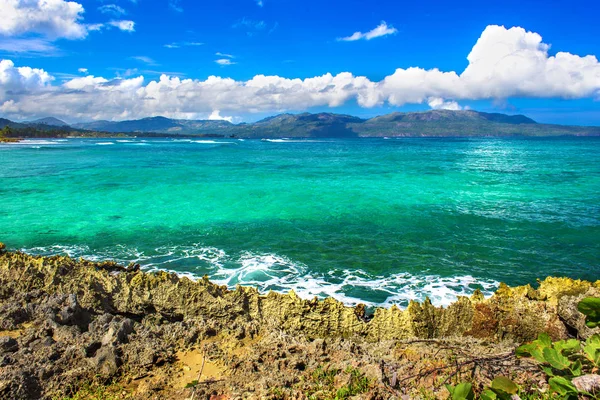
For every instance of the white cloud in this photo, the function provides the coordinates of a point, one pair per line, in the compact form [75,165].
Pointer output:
[30,46]
[145,60]
[124,25]
[112,9]
[219,54]
[177,45]
[83,70]
[381,30]
[437,103]
[504,63]
[216,116]
[52,18]
[224,61]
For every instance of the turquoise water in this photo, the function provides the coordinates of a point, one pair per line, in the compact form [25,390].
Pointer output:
[364,220]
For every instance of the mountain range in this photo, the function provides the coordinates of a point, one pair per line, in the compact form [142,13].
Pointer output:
[434,123]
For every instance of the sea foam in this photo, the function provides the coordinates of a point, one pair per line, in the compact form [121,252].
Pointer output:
[272,272]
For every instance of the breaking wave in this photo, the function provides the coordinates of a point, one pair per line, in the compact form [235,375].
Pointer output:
[268,272]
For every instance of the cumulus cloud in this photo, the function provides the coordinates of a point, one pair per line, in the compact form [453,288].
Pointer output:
[83,70]
[504,63]
[438,103]
[52,18]
[216,116]
[381,30]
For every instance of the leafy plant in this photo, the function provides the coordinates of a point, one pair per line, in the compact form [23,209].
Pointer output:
[501,388]
[590,307]
[564,360]
[462,391]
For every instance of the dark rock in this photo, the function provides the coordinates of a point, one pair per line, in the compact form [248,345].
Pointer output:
[118,332]
[8,345]
[106,362]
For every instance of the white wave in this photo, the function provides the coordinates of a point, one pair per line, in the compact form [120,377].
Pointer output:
[140,144]
[268,272]
[284,140]
[37,142]
[126,141]
[210,142]
[104,143]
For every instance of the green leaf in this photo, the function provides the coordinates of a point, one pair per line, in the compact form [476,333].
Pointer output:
[576,368]
[488,395]
[463,391]
[590,307]
[505,384]
[192,384]
[548,371]
[594,341]
[533,349]
[567,346]
[544,340]
[591,324]
[556,360]
[562,386]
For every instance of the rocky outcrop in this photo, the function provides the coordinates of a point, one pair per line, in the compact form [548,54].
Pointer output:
[90,319]
[511,313]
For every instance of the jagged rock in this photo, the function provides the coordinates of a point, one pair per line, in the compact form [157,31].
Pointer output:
[118,332]
[106,362]
[80,319]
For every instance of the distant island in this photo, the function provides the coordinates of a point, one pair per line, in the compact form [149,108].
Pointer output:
[433,123]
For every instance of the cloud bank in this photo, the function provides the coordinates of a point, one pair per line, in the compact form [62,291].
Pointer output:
[504,63]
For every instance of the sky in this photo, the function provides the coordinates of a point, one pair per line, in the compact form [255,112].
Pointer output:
[243,60]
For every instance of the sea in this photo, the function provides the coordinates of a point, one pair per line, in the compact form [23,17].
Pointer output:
[379,221]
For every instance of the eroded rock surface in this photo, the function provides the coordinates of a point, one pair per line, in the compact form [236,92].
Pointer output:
[66,322]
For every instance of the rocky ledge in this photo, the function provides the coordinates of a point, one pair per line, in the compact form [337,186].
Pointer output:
[80,329]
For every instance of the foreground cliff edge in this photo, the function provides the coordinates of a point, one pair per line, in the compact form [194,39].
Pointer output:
[78,328]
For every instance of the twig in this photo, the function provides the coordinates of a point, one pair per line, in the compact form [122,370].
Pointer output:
[199,373]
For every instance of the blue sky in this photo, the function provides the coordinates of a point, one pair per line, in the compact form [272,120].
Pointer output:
[290,39]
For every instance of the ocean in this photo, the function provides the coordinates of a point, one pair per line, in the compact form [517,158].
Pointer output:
[374,221]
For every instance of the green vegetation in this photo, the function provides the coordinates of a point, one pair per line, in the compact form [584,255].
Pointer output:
[590,307]
[335,384]
[96,391]
[561,361]
[434,123]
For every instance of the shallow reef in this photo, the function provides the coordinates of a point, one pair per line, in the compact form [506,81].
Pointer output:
[75,328]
